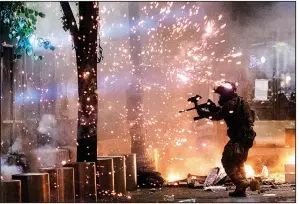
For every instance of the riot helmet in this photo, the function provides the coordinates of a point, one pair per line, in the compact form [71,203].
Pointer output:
[225,88]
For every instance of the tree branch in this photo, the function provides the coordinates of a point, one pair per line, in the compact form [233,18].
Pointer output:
[70,21]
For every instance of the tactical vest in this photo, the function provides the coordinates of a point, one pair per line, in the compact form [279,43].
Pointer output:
[240,122]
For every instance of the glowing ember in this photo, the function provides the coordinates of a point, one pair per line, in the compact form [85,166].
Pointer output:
[184,78]
[290,160]
[173,177]
[265,172]
[249,171]
[209,28]
[156,159]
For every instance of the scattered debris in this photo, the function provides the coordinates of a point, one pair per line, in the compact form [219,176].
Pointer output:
[255,185]
[194,181]
[269,195]
[221,175]
[183,183]
[152,190]
[262,190]
[216,175]
[188,201]
[215,188]
[168,197]
[211,177]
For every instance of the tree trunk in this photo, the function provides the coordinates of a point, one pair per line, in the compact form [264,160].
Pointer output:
[85,43]
[87,112]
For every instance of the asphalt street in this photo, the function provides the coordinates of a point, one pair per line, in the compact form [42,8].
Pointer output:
[270,194]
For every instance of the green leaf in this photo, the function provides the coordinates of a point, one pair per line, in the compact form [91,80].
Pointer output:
[42,15]
[32,17]
[51,47]
[36,13]
[19,56]
[18,50]
[40,57]
[28,31]
[29,51]
[10,36]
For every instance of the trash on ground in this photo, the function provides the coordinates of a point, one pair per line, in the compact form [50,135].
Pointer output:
[215,188]
[268,181]
[216,175]
[211,177]
[168,198]
[195,181]
[153,190]
[183,183]
[255,185]
[269,194]
[188,201]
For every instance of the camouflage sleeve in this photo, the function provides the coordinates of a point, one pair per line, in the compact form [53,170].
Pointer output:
[223,112]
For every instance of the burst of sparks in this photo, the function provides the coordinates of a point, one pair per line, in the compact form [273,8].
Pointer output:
[180,48]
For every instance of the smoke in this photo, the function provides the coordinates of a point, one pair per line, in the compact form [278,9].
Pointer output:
[46,156]
[17,146]
[47,126]
[8,170]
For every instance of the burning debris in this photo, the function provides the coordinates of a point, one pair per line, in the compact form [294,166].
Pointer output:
[217,179]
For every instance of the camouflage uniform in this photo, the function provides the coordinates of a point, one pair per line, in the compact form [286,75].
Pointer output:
[239,119]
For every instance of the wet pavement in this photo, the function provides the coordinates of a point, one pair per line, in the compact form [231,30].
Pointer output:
[283,193]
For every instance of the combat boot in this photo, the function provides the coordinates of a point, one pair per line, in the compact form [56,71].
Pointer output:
[240,190]
[237,194]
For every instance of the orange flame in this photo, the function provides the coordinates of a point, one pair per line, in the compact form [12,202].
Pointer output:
[249,171]
[290,160]
[173,177]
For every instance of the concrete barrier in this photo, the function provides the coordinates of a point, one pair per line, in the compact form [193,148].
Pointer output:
[131,172]
[62,185]
[11,191]
[85,181]
[35,187]
[105,176]
[119,173]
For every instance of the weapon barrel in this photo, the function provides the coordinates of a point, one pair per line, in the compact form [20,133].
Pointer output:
[189,109]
